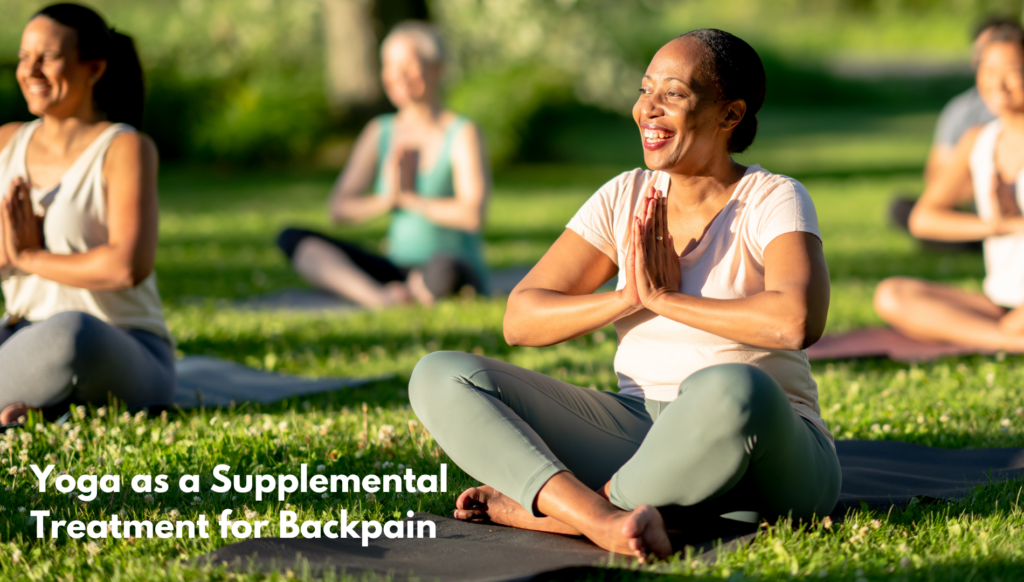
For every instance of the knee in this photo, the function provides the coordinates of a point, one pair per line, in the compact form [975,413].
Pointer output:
[736,398]
[71,339]
[891,295]
[437,381]
[289,239]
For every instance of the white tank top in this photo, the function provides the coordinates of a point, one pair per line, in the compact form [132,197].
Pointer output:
[75,221]
[1004,255]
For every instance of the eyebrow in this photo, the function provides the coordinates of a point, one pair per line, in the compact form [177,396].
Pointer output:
[669,79]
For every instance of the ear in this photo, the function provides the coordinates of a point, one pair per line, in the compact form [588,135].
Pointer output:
[96,70]
[732,114]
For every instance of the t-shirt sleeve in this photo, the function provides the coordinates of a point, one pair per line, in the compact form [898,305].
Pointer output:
[788,208]
[595,220]
[956,117]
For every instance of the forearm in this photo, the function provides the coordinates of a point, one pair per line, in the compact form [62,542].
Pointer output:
[100,269]
[770,319]
[446,212]
[948,225]
[540,317]
[359,208]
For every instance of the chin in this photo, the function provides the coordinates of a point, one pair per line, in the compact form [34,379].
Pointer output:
[656,161]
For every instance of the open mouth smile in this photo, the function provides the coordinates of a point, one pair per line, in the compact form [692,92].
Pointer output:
[655,137]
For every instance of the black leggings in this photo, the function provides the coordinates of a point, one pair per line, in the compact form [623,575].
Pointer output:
[443,275]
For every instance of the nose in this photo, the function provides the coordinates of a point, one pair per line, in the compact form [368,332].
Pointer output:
[37,67]
[652,107]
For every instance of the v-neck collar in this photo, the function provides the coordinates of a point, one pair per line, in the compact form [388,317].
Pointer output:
[79,160]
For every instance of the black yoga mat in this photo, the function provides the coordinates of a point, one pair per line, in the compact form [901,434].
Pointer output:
[879,473]
[205,381]
[884,473]
[461,552]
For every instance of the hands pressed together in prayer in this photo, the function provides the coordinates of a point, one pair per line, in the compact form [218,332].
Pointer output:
[1007,217]
[401,192]
[20,227]
[652,264]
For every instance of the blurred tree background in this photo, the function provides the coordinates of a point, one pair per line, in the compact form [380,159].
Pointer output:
[291,81]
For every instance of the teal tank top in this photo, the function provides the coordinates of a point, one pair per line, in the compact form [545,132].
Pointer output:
[412,239]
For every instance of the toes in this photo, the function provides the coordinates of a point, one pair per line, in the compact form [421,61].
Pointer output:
[468,499]
[469,515]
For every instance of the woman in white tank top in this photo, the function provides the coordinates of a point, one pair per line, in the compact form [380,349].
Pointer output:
[78,226]
[988,164]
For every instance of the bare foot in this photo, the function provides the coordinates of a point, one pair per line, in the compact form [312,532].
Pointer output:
[418,288]
[14,413]
[396,293]
[639,533]
[487,503]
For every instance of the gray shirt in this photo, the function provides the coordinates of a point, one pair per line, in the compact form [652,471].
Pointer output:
[960,114]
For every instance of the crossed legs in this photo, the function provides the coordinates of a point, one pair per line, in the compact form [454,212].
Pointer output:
[935,312]
[329,268]
[561,458]
[75,356]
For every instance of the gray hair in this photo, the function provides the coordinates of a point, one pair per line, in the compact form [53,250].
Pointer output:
[424,37]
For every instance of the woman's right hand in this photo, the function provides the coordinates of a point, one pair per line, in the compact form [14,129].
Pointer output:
[1006,214]
[22,229]
[402,176]
[629,293]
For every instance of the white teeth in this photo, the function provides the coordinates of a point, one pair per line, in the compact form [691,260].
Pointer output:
[37,89]
[650,134]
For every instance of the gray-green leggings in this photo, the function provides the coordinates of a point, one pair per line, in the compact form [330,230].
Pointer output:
[729,443]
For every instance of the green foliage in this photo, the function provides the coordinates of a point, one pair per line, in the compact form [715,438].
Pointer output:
[228,80]
[242,80]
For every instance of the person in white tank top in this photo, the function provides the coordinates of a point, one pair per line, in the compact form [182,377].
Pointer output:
[988,164]
[78,226]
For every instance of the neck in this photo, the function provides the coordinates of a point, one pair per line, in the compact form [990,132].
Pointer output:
[716,178]
[426,111]
[62,132]
[1013,122]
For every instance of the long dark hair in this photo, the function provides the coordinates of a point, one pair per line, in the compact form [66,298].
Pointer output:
[120,92]
[736,68]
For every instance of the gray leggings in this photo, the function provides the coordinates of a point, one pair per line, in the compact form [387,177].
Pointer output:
[75,357]
[729,443]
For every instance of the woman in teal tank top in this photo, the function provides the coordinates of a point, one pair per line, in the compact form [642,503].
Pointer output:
[426,167]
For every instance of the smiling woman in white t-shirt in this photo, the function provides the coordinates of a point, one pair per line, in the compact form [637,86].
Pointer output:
[721,285]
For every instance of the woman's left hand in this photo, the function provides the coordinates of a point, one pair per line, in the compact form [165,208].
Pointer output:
[656,264]
[22,229]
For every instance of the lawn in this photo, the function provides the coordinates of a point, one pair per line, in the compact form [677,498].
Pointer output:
[216,246]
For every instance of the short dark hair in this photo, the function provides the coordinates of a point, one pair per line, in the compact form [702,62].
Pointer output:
[735,67]
[1010,32]
[993,22]
[120,92]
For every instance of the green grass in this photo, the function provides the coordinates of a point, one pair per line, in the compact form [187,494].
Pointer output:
[216,245]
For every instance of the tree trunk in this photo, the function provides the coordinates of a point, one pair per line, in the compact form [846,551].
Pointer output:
[351,57]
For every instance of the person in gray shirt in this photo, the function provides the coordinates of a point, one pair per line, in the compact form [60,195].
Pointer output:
[960,114]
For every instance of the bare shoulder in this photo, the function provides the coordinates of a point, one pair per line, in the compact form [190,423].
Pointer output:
[469,136]
[7,131]
[132,145]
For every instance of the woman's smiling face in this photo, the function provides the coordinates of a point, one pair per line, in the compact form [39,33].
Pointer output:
[52,78]
[680,115]
[1000,78]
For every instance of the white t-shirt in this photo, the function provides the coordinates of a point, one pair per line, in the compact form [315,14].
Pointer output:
[656,354]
